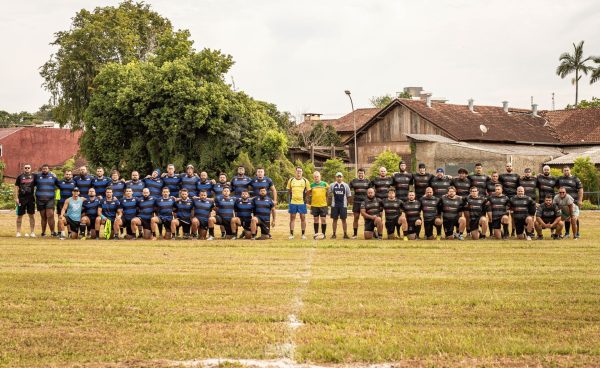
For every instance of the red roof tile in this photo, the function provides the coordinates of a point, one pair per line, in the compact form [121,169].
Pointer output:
[345,123]
[575,126]
[5,132]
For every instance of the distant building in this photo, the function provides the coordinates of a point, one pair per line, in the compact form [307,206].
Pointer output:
[35,146]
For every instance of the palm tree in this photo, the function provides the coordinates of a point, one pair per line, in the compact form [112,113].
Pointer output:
[575,62]
[596,73]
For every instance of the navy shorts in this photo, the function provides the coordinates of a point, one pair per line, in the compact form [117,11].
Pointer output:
[339,212]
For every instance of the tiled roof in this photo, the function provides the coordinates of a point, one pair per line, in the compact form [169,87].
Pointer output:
[345,123]
[575,126]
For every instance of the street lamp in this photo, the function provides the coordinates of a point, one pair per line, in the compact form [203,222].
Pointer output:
[355,145]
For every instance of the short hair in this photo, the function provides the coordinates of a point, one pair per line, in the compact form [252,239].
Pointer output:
[45,165]
[498,185]
[494,172]
[260,168]
[100,167]
[463,170]
[478,164]
[473,187]
[171,165]
[167,188]
[181,190]
[201,191]
[361,169]
[245,190]
[564,167]
[299,167]
[114,171]
[242,167]
[109,188]
[222,173]
[452,187]
[549,196]
[391,190]
[67,170]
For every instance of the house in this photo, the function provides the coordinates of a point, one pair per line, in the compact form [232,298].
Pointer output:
[36,146]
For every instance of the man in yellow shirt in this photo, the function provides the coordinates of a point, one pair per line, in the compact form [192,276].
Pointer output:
[297,188]
[318,203]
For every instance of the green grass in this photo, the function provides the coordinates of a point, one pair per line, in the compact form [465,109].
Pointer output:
[492,303]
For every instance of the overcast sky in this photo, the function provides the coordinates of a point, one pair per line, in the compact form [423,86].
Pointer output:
[302,55]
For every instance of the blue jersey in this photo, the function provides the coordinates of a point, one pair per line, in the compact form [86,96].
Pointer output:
[173,183]
[244,208]
[202,208]
[90,207]
[189,183]
[218,189]
[155,186]
[183,209]
[100,184]
[66,189]
[84,183]
[129,206]
[146,207]
[225,208]
[262,207]
[239,184]
[45,186]
[165,207]
[110,208]
[136,186]
[205,185]
[118,188]
[257,184]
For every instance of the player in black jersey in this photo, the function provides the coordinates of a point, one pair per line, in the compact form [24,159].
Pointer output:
[545,183]
[440,183]
[530,184]
[510,182]
[359,186]
[452,215]
[523,212]
[432,212]
[402,182]
[475,212]
[392,207]
[411,219]
[462,183]
[382,183]
[498,213]
[548,216]
[371,209]
[479,179]
[421,181]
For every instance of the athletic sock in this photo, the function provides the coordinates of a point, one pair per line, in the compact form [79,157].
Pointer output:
[505,229]
[292,232]
[82,229]
[567,227]
[211,231]
[438,230]
[303,231]
[418,229]
[323,228]
[316,227]
[355,231]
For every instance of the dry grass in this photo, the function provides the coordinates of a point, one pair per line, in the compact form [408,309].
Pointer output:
[490,303]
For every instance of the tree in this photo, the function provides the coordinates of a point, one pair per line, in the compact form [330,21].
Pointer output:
[333,166]
[316,134]
[584,169]
[388,159]
[585,104]
[381,101]
[107,35]
[575,62]
[596,73]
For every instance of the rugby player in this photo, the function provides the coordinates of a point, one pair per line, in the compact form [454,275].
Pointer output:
[172,180]
[89,215]
[462,183]
[318,204]
[575,189]
[100,182]
[548,216]
[360,186]
[244,208]
[218,187]
[432,214]
[569,210]
[411,220]
[136,185]
[130,209]
[392,208]
[421,181]
[45,182]
[475,213]
[262,181]
[402,181]
[240,182]
[498,213]
[155,183]
[71,213]
[25,199]
[183,214]
[510,182]
[440,183]
[145,211]
[371,209]
[530,184]
[264,210]
[225,211]
[382,184]
[84,181]
[190,181]
[65,187]
[109,210]
[340,194]
[479,179]
[546,184]
[523,212]
[205,184]
[117,184]
[203,221]
[452,215]
[297,187]
[165,206]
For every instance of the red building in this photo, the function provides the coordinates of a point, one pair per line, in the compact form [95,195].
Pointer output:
[35,146]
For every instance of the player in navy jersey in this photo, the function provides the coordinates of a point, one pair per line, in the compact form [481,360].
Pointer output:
[100,182]
[65,187]
[262,181]
[203,221]
[146,205]
[183,214]
[205,184]
[165,205]
[129,207]
[264,210]
[136,185]
[155,183]
[218,187]
[225,211]
[117,184]
[240,182]
[109,210]
[172,180]
[244,207]
[84,181]
[90,213]
[190,180]
[45,182]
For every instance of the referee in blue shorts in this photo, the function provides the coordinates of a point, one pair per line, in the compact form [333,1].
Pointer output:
[297,187]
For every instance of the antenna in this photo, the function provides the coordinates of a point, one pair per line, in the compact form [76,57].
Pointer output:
[552,101]
[532,100]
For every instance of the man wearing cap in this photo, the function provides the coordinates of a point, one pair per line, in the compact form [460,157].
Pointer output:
[545,184]
[529,184]
[297,187]
[339,192]
[440,183]
[71,213]
[402,181]
[421,181]
[360,186]
[25,200]
[318,203]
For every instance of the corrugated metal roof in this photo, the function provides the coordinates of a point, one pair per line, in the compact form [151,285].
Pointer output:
[431,138]
[569,159]
[514,149]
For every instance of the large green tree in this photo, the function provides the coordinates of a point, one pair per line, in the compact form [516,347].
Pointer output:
[106,35]
[574,63]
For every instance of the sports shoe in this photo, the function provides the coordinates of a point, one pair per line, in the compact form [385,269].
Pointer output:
[333,237]
[27,235]
[83,238]
[528,237]
[567,236]
[210,238]
[234,238]
[346,236]
[291,237]
[576,237]
[32,235]
[19,235]
[460,237]
[541,237]
[354,237]
[438,238]
[303,237]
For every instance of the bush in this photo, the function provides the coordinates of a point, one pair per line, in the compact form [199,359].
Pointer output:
[587,205]
[7,199]
[331,167]
[388,159]
[308,168]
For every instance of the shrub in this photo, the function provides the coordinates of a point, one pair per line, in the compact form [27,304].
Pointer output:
[388,159]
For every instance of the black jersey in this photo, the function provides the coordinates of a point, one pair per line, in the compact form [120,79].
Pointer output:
[392,208]
[462,186]
[431,207]
[452,207]
[546,185]
[498,205]
[522,207]
[572,184]
[421,182]
[491,187]
[26,185]
[548,213]
[440,185]
[372,206]
[480,181]
[382,186]
[360,187]
[510,182]
[412,210]
[476,206]
[530,185]
[402,182]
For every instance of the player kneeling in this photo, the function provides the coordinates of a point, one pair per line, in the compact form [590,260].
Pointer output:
[244,207]
[548,216]
[264,209]
[183,214]
[109,215]
[475,212]
[165,207]
[71,214]
[371,210]
[203,222]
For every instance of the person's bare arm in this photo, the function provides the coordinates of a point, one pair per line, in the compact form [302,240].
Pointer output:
[580,196]
[274,192]
[64,207]
[273,212]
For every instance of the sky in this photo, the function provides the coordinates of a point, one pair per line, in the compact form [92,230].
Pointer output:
[302,55]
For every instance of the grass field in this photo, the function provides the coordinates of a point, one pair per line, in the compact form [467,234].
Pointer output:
[438,303]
